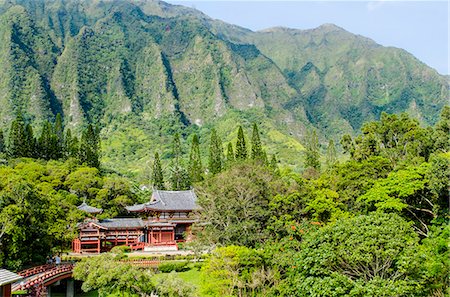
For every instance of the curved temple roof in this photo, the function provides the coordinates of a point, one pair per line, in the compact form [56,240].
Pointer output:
[89,209]
[168,201]
[8,277]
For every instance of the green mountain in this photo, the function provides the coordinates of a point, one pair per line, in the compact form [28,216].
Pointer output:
[145,69]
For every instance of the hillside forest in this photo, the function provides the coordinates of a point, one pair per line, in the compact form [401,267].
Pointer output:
[374,224]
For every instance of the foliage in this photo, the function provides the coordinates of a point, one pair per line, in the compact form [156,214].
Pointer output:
[44,195]
[372,255]
[195,161]
[215,162]
[236,271]
[241,147]
[312,150]
[109,276]
[257,152]
[234,203]
[173,286]
[157,174]
[167,267]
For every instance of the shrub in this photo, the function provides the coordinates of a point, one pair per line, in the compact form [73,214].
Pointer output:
[121,249]
[173,266]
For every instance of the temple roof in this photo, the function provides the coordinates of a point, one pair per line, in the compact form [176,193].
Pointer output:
[168,201]
[8,277]
[120,223]
[89,209]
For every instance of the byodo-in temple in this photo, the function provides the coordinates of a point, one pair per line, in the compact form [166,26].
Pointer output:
[168,219]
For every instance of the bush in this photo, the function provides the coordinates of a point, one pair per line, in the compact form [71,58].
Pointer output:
[121,249]
[173,266]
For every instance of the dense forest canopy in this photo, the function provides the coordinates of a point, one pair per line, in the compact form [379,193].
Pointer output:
[373,224]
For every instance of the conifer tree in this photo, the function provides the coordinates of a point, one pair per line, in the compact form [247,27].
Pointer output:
[215,162]
[312,151]
[16,137]
[157,174]
[176,149]
[29,149]
[59,132]
[331,155]
[2,142]
[241,147]
[230,155]
[179,177]
[195,162]
[274,164]
[47,143]
[70,147]
[265,159]
[89,147]
[257,151]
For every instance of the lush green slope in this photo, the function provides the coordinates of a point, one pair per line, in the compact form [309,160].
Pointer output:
[144,69]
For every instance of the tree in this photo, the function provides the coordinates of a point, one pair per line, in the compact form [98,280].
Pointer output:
[195,161]
[442,131]
[59,132]
[257,151]
[48,143]
[16,138]
[157,174]
[373,255]
[173,286]
[2,143]
[241,148]
[108,275]
[312,151]
[331,155]
[405,190]
[235,204]
[29,149]
[215,162]
[89,152]
[274,164]
[179,177]
[236,271]
[70,146]
[230,155]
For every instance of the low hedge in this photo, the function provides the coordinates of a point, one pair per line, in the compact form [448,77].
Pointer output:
[173,266]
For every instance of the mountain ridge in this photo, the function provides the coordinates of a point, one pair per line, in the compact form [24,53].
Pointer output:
[146,68]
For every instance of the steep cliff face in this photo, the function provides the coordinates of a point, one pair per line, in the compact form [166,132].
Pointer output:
[144,69]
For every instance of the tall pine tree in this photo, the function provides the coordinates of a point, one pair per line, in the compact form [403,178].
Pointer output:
[179,177]
[29,149]
[215,162]
[16,138]
[59,132]
[195,162]
[230,155]
[157,174]
[331,160]
[89,152]
[2,142]
[312,151]
[257,151]
[47,143]
[241,147]
[70,147]
[274,164]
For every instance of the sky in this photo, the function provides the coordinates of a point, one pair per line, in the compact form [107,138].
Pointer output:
[420,27]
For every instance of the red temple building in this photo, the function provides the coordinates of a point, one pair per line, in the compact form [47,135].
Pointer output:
[168,219]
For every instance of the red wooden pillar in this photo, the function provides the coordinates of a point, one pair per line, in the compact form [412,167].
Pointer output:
[98,245]
[6,289]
